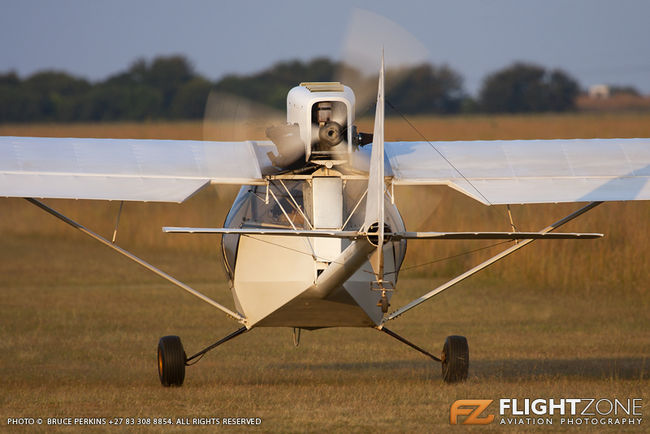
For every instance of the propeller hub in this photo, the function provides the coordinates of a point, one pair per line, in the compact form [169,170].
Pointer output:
[330,134]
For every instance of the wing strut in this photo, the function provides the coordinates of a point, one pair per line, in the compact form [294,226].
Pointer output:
[117,222]
[485,264]
[134,258]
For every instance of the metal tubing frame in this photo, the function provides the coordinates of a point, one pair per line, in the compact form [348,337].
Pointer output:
[216,344]
[134,258]
[355,208]
[307,240]
[486,263]
[410,344]
[295,204]
[282,209]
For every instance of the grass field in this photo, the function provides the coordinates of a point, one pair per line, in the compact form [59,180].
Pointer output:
[79,324]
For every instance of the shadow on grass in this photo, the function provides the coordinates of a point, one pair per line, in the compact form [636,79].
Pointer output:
[624,368]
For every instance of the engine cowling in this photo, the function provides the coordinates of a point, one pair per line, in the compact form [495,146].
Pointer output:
[323,111]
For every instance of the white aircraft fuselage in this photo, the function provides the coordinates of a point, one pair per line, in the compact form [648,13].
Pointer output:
[307,282]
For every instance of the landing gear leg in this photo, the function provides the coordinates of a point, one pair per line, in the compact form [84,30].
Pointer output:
[454,360]
[172,359]
[410,344]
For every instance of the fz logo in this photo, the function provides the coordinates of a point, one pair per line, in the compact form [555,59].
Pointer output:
[472,408]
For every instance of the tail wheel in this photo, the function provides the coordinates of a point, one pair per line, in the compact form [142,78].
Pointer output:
[455,359]
[171,361]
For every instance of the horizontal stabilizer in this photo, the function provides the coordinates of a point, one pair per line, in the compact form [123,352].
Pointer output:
[353,235]
[278,232]
[490,235]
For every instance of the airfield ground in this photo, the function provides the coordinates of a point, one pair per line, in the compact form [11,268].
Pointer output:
[79,325]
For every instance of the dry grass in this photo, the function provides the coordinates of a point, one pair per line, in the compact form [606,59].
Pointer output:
[476,127]
[122,130]
[79,324]
[87,349]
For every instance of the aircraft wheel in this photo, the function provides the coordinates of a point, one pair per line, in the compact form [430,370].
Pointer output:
[384,304]
[455,359]
[171,361]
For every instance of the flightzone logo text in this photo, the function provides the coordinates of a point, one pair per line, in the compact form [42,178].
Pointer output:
[541,411]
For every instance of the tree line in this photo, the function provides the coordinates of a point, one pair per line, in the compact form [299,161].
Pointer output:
[169,88]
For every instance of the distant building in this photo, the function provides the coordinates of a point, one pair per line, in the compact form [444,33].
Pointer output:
[599,91]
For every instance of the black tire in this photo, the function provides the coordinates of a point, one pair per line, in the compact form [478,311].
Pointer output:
[455,359]
[384,304]
[171,361]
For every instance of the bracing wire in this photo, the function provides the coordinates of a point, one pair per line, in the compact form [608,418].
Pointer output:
[437,150]
[446,258]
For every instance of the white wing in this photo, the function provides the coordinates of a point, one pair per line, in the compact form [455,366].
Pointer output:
[121,169]
[528,171]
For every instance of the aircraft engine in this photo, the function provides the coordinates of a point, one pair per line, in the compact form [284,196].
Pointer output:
[320,126]
[330,134]
[323,111]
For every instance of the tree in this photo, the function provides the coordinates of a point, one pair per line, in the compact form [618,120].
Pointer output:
[164,76]
[528,88]
[425,89]
[57,93]
[18,105]
[9,79]
[270,86]
[168,74]
[189,101]
[623,90]
[110,102]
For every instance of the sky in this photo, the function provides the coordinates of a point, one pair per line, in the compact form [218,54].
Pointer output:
[595,41]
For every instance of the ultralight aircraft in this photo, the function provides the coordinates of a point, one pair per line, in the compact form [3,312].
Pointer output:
[314,239]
